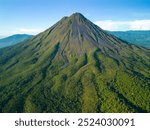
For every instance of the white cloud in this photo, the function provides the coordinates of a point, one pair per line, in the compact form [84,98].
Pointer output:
[124,25]
[29,31]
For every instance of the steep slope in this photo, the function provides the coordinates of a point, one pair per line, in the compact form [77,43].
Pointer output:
[74,66]
[14,39]
[141,38]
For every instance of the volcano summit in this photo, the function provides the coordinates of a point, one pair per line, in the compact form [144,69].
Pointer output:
[74,66]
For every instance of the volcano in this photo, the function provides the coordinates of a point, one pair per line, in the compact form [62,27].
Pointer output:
[74,66]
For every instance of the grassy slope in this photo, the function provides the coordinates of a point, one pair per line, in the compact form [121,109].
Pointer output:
[80,87]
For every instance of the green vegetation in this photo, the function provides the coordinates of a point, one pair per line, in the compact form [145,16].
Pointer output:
[74,66]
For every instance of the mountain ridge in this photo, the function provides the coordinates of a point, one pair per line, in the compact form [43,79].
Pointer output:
[13,39]
[141,38]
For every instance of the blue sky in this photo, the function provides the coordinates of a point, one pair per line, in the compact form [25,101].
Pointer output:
[33,16]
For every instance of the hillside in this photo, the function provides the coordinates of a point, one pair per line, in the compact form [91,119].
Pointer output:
[14,39]
[74,66]
[141,38]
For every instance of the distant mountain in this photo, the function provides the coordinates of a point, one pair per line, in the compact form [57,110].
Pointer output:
[141,38]
[74,66]
[14,39]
